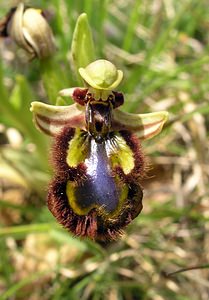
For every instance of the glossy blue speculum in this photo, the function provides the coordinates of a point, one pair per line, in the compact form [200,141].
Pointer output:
[99,189]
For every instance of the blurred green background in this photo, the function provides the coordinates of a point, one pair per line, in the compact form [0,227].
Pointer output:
[162,48]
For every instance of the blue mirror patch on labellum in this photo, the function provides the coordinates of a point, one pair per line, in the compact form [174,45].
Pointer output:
[96,155]
[96,186]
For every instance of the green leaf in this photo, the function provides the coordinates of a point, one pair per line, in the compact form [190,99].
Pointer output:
[23,230]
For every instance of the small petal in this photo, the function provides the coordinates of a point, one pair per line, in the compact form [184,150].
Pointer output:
[51,119]
[146,126]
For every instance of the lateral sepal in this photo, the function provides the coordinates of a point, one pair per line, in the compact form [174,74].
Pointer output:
[145,126]
[50,119]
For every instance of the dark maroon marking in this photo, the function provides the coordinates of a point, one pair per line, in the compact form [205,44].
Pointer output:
[119,99]
[58,205]
[78,121]
[59,150]
[79,96]
[152,133]
[42,128]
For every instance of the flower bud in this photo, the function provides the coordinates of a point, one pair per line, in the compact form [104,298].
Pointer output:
[29,29]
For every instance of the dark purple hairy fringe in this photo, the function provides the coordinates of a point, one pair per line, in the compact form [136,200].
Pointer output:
[93,225]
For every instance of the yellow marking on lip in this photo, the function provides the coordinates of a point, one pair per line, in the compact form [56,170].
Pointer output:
[70,191]
[121,154]
[77,150]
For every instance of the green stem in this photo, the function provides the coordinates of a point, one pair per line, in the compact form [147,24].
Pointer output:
[53,77]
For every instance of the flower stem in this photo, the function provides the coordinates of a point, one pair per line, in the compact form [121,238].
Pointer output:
[54,78]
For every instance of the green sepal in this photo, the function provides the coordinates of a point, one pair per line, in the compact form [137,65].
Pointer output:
[51,119]
[82,47]
[146,126]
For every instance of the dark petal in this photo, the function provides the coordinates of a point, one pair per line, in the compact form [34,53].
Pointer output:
[135,198]
[59,155]
[79,96]
[119,99]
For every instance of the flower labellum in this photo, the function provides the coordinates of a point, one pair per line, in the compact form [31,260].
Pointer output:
[96,155]
[30,30]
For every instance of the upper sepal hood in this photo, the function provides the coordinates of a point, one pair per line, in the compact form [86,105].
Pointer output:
[102,75]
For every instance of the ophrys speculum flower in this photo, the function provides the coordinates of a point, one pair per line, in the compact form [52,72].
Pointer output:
[97,156]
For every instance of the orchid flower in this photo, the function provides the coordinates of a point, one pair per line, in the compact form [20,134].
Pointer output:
[96,154]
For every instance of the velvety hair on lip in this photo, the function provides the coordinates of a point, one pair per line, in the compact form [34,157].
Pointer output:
[96,224]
